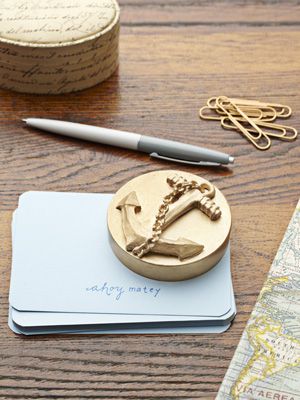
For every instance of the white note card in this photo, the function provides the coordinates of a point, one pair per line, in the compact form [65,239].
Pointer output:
[63,263]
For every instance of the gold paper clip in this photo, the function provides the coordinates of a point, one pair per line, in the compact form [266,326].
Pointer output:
[288,132]
[265,112]
[282,111]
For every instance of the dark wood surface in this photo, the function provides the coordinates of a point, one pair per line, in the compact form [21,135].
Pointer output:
[173,56]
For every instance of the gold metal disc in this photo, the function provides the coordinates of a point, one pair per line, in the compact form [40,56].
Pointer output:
[194,226]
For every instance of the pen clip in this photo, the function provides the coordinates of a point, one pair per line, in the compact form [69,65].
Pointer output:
[199,163]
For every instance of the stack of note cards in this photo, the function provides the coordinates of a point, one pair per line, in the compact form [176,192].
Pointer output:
[66,279]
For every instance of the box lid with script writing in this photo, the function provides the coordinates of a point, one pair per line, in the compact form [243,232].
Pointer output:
[50,46]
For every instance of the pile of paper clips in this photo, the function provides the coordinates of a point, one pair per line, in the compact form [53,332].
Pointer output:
[253,119]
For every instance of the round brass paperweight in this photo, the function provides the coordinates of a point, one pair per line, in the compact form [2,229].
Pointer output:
[169,225]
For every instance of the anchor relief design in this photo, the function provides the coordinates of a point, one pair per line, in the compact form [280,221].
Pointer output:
[185,196]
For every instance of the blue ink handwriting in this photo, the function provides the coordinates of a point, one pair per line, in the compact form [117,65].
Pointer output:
[117,291]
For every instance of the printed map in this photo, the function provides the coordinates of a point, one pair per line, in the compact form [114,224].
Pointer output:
[266,364]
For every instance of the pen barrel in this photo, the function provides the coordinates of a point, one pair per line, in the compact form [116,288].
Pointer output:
[161,148]
[181,151]
[91,133]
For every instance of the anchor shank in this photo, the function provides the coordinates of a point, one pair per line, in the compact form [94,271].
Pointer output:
[184,204]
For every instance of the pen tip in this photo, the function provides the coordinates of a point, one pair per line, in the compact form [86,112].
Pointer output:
[24,119]
[231,160]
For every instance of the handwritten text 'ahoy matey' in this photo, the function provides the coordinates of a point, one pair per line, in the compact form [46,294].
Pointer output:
[118,291]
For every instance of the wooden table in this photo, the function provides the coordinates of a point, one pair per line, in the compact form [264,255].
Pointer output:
[173,56]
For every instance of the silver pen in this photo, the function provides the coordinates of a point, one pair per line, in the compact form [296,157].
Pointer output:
[169,150]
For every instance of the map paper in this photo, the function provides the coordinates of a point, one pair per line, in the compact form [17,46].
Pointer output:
[266,364]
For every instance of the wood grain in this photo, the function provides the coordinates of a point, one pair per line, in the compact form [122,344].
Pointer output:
[173,56]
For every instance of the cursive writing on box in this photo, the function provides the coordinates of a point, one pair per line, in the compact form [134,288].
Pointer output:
[50,46]
[118,291]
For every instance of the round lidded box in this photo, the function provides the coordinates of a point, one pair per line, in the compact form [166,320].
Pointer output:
[51,47]
[192,241]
